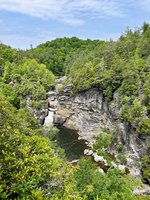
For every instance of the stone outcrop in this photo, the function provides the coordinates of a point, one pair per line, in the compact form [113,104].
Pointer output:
[139,191]
[84,112]
[40,113]
[89,114]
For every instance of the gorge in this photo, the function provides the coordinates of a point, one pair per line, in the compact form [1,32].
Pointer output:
[87,114]
[75,119]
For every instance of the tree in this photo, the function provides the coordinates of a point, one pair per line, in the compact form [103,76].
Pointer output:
[29,166]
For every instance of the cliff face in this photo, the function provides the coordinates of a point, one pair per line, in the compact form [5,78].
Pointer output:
[86,112]
[38,113]
[90,114]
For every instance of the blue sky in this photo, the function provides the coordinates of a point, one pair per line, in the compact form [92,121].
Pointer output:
[25,22]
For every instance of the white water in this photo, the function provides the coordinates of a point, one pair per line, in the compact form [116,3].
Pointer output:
[49,119]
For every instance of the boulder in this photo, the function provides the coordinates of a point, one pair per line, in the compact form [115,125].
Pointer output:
[98,158]
[145,190]
[50,94]
[88,152]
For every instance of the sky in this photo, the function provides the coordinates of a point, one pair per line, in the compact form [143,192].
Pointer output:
[26,22]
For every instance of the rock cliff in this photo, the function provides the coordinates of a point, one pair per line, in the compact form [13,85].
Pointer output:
[89,113]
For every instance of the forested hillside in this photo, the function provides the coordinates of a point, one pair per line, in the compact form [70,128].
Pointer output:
[56,54]
[32,164]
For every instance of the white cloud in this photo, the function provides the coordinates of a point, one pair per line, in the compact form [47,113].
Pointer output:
[16,40]
[145,4]
[68,11]
[23,41]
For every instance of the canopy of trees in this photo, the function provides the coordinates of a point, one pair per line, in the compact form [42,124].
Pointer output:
[55,54]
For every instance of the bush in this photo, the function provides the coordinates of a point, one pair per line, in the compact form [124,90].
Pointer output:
[146,168]
[102,141]
[119,147]
[29,165]
[122,159]
[92,183]
[143,127]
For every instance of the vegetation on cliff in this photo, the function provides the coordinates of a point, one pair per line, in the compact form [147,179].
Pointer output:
[122,68]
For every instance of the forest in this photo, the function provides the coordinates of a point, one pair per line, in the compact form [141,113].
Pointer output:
[32,165]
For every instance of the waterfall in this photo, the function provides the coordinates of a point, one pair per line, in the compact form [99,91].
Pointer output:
[49,119]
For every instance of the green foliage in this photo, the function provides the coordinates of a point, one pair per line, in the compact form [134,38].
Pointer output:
[10,94]
[58,53]
[143,127]
[146,168]
[119,147]
[122,159]
[145,197]
[6,54]
[109,186]
[134,112]
[102,141]
[146,88]
[102,144]
[120,66]
[29,166]
[31,71]
[29,80]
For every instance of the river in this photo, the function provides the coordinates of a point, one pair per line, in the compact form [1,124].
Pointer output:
[73,147]
[67,139]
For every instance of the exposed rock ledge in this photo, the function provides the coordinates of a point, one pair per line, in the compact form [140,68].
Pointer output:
[142,190]
[89,113]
